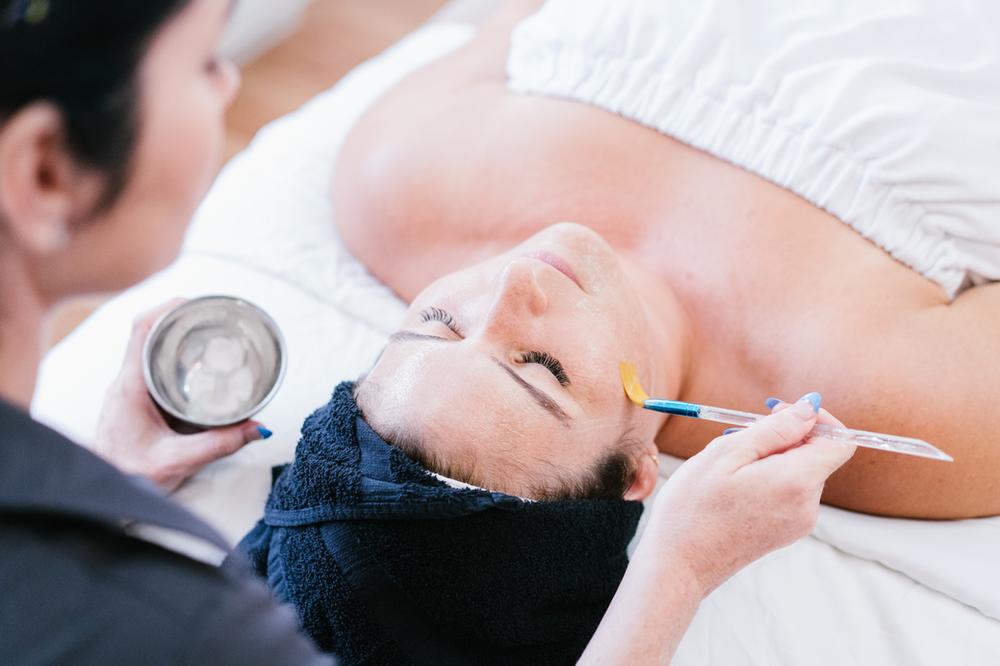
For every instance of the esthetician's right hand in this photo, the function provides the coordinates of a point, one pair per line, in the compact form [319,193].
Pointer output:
[133,435]
[746,494]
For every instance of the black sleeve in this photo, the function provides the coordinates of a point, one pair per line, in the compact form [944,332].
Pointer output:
[82,594]
[248,628]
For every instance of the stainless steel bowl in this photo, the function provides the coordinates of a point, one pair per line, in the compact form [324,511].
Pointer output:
[214,361]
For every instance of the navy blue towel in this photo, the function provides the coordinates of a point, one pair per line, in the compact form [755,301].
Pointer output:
[386,564]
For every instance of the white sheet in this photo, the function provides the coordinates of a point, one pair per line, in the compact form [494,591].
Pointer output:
[879,111]
[862,590]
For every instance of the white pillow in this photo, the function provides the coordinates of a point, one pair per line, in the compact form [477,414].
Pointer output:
[265,233]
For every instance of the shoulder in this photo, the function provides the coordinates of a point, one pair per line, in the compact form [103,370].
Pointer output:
[77,591]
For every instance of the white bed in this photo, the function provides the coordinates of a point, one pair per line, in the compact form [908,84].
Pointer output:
[860,590]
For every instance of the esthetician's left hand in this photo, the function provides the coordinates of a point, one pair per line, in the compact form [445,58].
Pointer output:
[133,435]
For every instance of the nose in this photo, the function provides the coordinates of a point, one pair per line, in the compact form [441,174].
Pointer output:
[517,299]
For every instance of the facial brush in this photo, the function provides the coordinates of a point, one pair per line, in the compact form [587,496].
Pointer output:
[870,440]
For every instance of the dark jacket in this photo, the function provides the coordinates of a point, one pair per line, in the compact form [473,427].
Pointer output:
[76,589]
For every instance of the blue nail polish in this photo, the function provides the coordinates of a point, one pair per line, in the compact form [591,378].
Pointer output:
[730,431]
[264,432]
[772,402]
[815,398]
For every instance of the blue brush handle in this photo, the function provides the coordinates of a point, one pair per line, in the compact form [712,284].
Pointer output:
[870,440]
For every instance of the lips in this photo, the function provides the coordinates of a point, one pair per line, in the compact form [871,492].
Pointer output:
[557,263]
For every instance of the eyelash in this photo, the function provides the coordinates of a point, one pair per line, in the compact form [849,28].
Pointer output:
[553,366]
[541,358]
[437,314]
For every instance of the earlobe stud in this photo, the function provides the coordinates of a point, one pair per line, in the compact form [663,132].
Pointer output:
[59,237]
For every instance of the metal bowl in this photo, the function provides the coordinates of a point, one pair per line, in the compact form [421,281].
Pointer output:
[214,361]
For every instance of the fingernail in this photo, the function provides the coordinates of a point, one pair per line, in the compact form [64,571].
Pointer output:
[815,399]
[772,402]
[730,431]
[802,409]
[264,432]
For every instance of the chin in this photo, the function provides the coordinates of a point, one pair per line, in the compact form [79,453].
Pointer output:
[125,274]
[574,231]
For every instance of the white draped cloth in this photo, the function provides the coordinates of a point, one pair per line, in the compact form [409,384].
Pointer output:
[886,113]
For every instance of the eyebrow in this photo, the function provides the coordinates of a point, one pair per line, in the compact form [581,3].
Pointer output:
[406,336]
[543,399]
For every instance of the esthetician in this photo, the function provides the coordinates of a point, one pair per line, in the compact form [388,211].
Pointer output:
[111,125]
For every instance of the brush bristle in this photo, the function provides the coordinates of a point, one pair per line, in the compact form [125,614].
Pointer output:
[630,380]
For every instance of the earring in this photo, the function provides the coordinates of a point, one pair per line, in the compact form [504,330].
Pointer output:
[656,458]
[60,237]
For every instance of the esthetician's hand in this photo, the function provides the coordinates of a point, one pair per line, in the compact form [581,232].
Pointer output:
[744,495]
[133,435]
[749,492]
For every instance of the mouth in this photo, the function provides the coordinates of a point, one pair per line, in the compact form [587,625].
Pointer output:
[557,263]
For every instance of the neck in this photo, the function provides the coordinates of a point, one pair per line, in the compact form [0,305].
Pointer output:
[22,319]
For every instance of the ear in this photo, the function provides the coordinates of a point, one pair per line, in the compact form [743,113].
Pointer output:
[647,472]
[42,188]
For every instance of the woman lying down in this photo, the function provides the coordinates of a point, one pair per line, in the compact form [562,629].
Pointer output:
[723,287]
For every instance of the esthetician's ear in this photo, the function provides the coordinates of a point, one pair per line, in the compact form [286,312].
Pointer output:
[42,187]
[647,472]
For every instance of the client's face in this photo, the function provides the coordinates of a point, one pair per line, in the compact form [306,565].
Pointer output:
[508,370]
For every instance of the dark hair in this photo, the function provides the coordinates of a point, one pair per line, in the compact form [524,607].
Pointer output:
[82,56]
[609,478]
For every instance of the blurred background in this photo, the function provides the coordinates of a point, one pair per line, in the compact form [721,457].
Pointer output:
[289,51]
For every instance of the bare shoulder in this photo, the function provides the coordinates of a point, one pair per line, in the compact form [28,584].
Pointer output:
[934,374]
[888,352]
[413,177]
[450,168]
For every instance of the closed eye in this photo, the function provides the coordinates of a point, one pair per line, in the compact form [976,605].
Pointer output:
[550,362]
[437,314]
[541,358]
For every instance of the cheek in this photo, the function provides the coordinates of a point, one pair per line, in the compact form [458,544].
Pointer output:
[607,332]
[182,153]
[606,337]
[174,165]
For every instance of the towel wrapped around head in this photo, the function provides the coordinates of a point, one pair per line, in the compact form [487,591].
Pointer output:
[387,564]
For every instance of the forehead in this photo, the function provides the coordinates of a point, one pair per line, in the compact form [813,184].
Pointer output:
[447,385]
[198,23]
[467,406]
